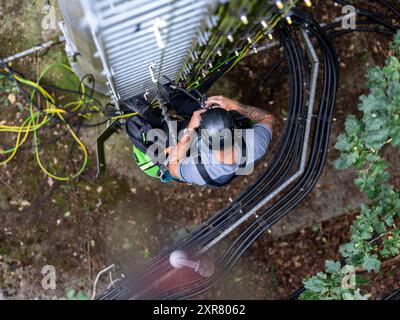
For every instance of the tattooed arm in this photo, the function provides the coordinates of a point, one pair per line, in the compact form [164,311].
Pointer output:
[178,152]
[255,114]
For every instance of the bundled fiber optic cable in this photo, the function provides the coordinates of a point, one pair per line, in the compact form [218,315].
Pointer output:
[138,285]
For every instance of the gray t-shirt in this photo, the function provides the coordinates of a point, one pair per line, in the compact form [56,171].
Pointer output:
[257,140]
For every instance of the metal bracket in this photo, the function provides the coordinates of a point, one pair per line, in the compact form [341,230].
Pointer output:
[152,71]
[100,141]
[157,26]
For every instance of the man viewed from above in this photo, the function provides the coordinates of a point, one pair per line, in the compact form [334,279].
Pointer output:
[222,140]
[220,163]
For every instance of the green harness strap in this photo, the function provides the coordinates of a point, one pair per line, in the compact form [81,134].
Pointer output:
[145,163]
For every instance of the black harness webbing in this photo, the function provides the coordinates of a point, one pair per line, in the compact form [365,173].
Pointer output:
[201,168]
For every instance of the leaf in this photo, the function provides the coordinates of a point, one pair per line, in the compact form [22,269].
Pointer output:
[352,125]
[389,220]
[70,293]
[361,281]
[342,163]
[369,104]
[309,295]
[332,266]
[379,226]
[360,182]
[393,91]
[353,157]
[315,284]
[371,263]
[347,250]
[81,296]
[348,296]
[342,143]
[393,62]
[376,77]
[395,45]
[376,138]
[360,147]
[375,124]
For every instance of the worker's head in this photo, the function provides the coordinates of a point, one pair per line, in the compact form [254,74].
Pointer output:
[217,129]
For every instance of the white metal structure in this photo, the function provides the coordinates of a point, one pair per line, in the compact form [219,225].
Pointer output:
[127,44]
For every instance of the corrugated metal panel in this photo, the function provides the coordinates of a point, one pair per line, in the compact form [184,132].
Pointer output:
[127,41]
[116,40]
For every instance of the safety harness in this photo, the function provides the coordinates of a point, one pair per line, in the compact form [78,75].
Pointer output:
[210,182]
[137,130]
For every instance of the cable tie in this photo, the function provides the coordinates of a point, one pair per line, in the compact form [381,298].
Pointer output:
[263,224]
[236,205]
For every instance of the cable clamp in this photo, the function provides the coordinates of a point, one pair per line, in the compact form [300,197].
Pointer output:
[236,206]
[152,70]
[157,26]
[263,224]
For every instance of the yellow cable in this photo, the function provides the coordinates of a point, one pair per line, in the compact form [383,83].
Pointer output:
[72,132]
[33,123]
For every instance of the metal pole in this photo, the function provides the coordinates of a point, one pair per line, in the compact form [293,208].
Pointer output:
[32,50]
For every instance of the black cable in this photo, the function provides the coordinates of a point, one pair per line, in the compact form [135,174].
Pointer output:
[265,78]
[390,6]
[284,163]
[395,295]
[370,14]
[195,235]
[255,232]
[343,32]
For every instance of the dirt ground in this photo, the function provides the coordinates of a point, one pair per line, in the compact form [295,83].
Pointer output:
[125,217]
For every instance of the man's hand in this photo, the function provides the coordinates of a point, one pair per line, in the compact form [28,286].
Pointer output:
[178,152]
[258,115]
[223,102]
[168,150]
[195,120]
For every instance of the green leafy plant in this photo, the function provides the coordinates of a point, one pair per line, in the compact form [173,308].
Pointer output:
[72,294]
[337,283]
[7,87]
[374,234]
